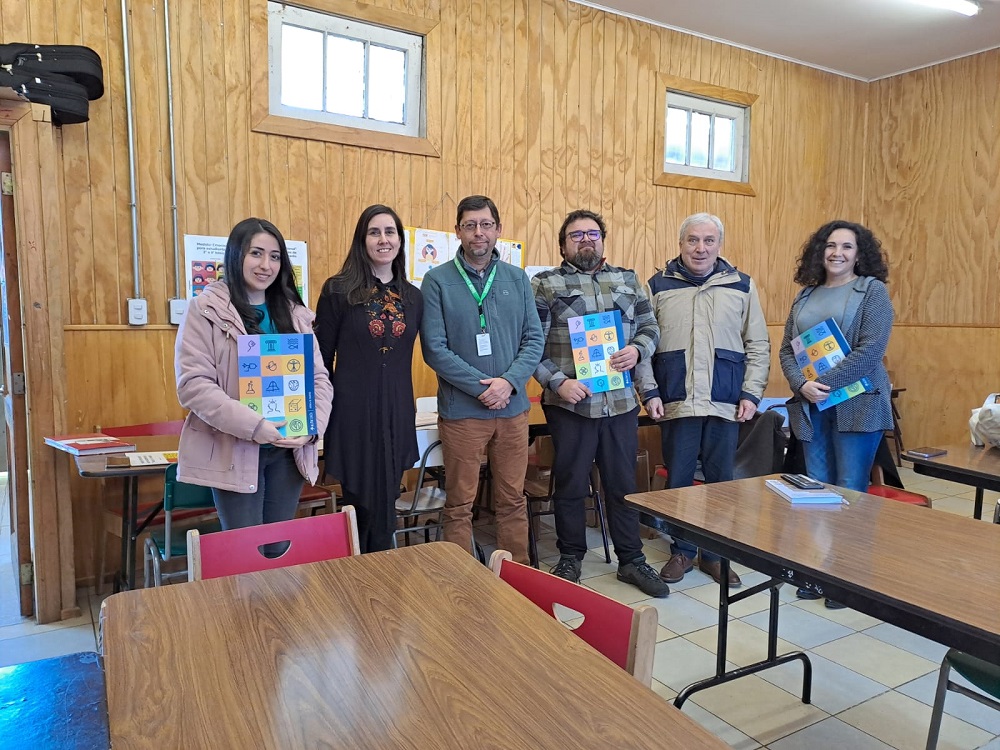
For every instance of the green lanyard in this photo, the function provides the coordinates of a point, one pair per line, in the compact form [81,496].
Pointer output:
[475,295]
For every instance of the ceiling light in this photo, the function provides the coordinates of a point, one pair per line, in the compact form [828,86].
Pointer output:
[965,7]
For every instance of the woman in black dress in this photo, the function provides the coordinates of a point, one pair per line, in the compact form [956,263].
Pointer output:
[367,319]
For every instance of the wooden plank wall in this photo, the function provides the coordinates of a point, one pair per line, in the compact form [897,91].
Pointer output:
[932,194]
[545,105]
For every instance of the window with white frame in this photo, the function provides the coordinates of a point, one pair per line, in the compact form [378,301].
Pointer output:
[342,71]
[706,138]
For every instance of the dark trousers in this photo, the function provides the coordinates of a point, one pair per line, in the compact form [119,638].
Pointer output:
[373,534]
[612,443]
[684,440]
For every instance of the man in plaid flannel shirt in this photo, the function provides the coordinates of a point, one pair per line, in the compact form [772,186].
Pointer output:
[591,427]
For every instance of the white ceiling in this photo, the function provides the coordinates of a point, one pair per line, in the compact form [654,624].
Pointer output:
[864,39]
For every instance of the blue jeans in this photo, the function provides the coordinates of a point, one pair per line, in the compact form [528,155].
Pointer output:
[279,485]
[683,441]
[841,458]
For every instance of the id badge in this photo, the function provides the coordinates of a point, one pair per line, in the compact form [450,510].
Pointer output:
[483,346]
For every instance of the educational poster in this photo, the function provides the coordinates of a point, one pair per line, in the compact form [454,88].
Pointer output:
[819,350]
[595,338]
[203,263]
[276,379]
[428,248]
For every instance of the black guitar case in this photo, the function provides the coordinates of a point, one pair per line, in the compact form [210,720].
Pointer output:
[67,98]
[81,64]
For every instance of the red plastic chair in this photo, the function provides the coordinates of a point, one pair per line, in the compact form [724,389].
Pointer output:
[625,635]
[311,539]
[144,430]
[895,493]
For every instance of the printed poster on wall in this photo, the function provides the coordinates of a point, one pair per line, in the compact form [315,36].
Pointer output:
[427,248]
[203,263]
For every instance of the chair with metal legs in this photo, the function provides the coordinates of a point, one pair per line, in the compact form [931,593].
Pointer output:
[982,674]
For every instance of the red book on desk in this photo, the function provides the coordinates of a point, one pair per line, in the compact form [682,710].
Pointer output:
[89,444]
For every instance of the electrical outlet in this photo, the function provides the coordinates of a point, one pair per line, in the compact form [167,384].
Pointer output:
[177,309]
[137,312]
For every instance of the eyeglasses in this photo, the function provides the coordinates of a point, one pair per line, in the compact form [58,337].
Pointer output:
[470,226]
[591,234]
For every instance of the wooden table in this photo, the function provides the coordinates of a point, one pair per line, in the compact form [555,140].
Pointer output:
[930,572]
[116,466]
[966,464]
[420,647]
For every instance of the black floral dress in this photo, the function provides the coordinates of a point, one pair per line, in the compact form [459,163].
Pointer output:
[371,439]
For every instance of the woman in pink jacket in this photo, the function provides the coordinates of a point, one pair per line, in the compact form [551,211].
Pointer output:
[256,475]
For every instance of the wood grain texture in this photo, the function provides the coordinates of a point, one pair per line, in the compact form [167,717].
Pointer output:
[418,647]
[867,547]
[547,106]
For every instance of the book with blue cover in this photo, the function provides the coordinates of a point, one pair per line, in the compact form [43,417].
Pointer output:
[276,380]
[818,351]
[594,339]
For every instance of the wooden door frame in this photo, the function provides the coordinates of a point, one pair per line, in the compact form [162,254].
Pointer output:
[39,208]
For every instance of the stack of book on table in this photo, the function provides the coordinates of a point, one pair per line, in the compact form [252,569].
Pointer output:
[796,496]
[88,444]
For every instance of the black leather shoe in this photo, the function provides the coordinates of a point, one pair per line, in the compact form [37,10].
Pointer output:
[804,593]
[831,604]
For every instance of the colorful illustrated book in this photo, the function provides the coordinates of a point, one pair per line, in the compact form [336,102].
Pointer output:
[818,351]
[88,444]
[595,338]
[154,458]
[276,379]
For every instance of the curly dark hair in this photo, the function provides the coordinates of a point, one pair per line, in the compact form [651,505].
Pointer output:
[870,260]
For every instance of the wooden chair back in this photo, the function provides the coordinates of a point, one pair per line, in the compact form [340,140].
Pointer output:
[311,539]
[625,635]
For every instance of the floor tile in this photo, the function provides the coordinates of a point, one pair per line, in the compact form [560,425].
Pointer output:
[758,709]
[872,658]
[662,634]
[904,639]
[610,586]
[667,693]
[829,733]
[955,704]
[27,626]
[901,722]
[682,614]
[677,663]
[745,644]
[709,594]
[47,644]
[847,617]
[725,732]
[801,627]
[834,687]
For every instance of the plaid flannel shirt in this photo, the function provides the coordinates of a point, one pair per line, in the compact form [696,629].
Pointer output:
[566,292]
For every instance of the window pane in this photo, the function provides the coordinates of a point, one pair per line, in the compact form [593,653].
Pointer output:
[723,148]
[301,67]
[676,145]
[386,83]
[700,126]
[345,76]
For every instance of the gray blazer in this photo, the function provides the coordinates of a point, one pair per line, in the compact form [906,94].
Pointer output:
[867,325]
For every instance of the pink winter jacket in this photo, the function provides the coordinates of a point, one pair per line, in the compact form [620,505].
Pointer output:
[216,446]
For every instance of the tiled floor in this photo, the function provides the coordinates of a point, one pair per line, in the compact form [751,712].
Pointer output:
[872,687]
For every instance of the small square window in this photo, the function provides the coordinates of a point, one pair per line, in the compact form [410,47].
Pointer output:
[705,135]
[341,71]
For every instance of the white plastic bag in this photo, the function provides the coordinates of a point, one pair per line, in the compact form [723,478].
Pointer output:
[984,425]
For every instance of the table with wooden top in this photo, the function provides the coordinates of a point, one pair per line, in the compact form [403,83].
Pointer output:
[930,572]
[963,463]
[420,647]
[117,466]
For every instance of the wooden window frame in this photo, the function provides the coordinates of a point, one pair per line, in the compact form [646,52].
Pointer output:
[262,121]
[667,83]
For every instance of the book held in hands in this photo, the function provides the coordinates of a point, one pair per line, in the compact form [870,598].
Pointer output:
[91,443]
[819,350]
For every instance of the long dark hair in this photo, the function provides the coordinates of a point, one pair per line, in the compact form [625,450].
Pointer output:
[870,260]
[280,297]
[355,279]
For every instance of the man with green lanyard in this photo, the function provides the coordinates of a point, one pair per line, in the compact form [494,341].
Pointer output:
[481,335]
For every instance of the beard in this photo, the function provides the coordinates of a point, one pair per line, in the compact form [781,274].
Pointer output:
[587,259]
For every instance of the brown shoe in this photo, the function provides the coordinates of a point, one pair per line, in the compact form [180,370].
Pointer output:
[676,567]
[714,569]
